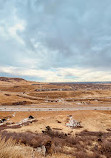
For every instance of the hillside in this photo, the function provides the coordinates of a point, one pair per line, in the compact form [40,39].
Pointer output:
[18,91]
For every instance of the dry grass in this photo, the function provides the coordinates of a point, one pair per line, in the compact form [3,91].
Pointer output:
[90,120]
[9,149]
[22,92]
[85,144]
[14,145]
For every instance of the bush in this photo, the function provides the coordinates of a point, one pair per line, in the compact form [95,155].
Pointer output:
[8,149]
[97,142]
[106,149]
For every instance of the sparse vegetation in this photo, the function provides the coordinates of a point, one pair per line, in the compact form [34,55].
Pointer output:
[16,91]
[9,149]
[21,141]
[86,144]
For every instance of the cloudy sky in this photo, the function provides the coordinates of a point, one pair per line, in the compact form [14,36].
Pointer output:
[56,40]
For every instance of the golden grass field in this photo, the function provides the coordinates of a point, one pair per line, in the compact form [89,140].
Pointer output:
[93,121]
[90,120]
[22,92]
[93,140]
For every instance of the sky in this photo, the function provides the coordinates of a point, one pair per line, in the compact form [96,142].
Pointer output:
[56,40]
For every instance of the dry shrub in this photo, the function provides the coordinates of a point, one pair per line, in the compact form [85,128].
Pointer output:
[97,143]
[28,138]
[60,155]
[90,133]
[9,150]
[82,154]
[106,149]
[59,142]
[53,133]
[72,140]
[96,155]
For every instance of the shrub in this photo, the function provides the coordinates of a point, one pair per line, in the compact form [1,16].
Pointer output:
[8,150]
[106,149]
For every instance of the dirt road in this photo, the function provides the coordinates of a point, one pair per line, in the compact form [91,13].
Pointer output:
[52,109]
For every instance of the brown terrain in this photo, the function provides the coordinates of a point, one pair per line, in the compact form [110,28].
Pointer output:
[17,91]
[26,134]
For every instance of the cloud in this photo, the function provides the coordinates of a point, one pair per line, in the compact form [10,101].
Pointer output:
[56,34]
[58,74]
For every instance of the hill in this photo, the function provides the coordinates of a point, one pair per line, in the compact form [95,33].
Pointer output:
[18,91]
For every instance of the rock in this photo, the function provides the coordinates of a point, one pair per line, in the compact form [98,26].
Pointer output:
[31,117]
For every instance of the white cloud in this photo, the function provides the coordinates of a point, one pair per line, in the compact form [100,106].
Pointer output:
[60,74]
